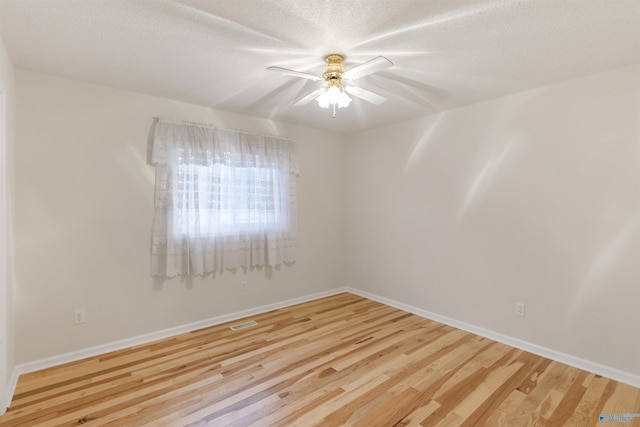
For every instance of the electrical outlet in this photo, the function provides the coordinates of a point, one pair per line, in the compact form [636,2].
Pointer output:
[520,309]
[79,316]
[244,286]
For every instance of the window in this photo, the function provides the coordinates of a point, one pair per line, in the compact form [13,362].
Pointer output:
[224,199]
[231,200]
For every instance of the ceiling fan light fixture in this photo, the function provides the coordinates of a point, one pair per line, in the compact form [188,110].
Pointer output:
[333,95]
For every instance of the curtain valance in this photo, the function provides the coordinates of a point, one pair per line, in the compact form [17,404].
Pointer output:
[203,144]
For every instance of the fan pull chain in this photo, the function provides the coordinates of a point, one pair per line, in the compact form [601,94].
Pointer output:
[334,111]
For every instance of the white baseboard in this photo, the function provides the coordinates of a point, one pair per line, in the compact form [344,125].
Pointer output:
[567,359]
[587,365]
[74,356]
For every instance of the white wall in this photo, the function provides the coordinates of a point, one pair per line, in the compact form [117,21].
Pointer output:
[84,207]
[531,198]
[7,361]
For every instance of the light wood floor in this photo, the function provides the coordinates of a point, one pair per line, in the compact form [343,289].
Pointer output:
[342,360]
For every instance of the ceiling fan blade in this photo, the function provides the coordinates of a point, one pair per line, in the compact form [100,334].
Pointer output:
[372,66]
[295,73]
[367,95]
[308,98]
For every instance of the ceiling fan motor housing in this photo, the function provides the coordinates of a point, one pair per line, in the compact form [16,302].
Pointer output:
[334,68]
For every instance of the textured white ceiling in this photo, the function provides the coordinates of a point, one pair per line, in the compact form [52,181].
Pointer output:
[447,53]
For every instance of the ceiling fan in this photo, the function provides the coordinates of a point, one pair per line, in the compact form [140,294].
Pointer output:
[339,82]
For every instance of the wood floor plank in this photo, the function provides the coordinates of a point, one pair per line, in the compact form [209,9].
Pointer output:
[338,361]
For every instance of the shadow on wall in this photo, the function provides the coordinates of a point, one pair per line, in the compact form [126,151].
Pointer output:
[595,286]
[488,152]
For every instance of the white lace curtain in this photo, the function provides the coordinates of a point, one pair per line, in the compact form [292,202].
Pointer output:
[223,199]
